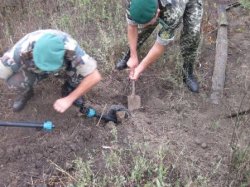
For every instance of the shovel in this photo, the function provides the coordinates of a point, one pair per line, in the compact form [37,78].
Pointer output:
[134,101]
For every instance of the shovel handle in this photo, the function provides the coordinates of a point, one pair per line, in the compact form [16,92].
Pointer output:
[133,87]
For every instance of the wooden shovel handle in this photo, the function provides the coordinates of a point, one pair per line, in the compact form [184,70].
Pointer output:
[133,87]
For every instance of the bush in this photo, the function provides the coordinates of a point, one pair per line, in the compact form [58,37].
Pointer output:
[245,3]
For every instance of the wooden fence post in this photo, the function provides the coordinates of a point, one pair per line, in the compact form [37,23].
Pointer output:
[218,78]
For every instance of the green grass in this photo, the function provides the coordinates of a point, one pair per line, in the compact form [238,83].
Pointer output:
[124,167]
[98,33]
[245,3]
[239,164]
[98,26]
[138,170]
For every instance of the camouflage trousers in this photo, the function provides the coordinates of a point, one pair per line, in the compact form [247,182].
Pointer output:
[24,79]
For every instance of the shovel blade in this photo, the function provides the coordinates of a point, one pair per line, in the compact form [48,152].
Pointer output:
[134,102]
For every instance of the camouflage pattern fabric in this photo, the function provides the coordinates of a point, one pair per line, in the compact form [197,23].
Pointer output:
[172,14]
[21,73]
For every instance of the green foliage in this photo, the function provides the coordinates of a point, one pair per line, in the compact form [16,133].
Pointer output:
[84,172]
[215,124]
[245,3]
[239,166]
[98,26]
[140,169]
[98,33]
[130,167]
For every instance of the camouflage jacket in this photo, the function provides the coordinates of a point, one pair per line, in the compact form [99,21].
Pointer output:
[171,16]
[75,59]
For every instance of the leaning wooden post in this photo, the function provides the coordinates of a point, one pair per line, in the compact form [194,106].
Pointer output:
[218,78]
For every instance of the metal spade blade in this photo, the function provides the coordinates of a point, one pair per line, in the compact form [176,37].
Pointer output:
[134,101]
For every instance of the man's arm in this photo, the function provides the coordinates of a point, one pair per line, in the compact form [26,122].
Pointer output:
[62,104]
[132,39]
[155,52]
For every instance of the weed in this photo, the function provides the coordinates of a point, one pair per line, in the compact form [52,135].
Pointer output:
[215,124]
[126,167]
[245,3]
[84,172]
[106,29]
[239,166]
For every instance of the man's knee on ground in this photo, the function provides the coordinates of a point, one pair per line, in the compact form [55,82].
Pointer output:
[5,72]
[22,80]
[16,81]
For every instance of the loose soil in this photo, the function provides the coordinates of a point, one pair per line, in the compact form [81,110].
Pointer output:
[194,130]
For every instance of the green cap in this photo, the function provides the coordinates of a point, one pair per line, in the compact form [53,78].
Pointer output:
[143,11]
[48,52]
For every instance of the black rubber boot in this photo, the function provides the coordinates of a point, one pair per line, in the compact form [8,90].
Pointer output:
[67,88]
[189,78]
[192,83]
[22,99]
[122,63]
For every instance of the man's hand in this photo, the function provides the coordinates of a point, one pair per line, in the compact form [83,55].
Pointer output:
[133,62]
[135,73]
[61,105]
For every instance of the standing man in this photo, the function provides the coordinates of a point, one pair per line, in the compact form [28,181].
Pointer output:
[45,52]
[145,15]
